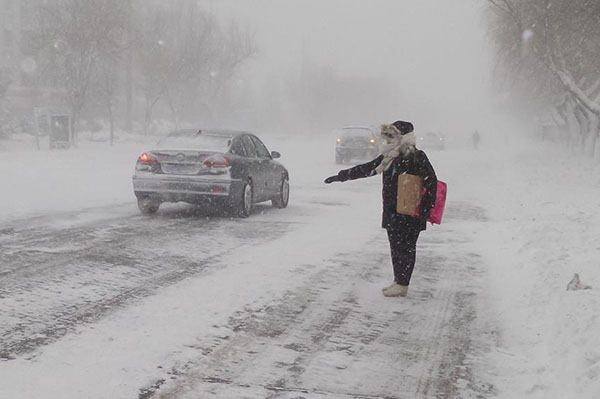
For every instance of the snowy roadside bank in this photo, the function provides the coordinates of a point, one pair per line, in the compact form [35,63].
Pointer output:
[543,227]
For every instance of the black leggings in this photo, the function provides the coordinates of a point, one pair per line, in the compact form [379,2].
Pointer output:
[403,244]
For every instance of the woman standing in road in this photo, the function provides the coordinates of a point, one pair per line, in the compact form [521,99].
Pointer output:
[398,156]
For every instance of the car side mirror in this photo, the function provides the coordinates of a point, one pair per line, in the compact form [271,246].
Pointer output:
[275,154]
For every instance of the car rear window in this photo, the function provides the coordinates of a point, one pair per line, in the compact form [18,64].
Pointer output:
[195,141]
[357,133]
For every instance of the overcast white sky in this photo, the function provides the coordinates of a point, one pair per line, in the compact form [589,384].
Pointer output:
[434,49]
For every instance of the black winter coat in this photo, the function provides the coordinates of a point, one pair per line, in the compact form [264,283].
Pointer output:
[414,163]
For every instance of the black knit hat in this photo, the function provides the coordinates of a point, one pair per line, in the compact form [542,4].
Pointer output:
[403,127]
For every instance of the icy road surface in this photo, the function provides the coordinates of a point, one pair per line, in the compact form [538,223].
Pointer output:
[106,303]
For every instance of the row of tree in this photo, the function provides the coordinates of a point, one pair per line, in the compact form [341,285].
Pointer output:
[118,57]
[548,53]
[138,64]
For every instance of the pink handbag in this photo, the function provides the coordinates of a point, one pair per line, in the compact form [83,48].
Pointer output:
[437,212]
[435,216]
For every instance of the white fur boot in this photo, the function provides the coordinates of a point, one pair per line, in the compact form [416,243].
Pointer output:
[396,290]
[384,289]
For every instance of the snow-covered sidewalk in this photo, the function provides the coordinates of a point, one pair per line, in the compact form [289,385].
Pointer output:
[543,211]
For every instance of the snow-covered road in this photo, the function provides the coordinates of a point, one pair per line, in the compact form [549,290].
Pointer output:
[97,301]
[333,335]
[104,303]
[55,278]
[289,321]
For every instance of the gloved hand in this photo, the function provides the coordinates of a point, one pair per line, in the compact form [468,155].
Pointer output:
[331,179]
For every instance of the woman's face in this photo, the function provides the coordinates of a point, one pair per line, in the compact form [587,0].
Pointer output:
[387,136]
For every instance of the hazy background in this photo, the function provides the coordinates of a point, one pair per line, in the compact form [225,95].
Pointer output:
[432,53]
[146,67]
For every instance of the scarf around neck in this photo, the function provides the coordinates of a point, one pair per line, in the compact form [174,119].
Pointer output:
[394,144]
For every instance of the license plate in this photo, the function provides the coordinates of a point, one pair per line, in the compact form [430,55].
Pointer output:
[181,169]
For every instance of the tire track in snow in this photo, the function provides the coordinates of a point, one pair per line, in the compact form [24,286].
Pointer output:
[54,279]
[335,336]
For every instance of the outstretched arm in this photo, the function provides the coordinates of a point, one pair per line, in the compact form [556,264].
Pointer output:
[356,172]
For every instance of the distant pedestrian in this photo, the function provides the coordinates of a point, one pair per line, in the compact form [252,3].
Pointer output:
[399,160]
[476,139]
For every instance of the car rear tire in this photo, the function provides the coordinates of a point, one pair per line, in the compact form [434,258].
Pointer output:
[245,204]
[148,206]
[282,199]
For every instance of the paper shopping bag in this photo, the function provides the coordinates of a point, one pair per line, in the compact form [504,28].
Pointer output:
[409,194]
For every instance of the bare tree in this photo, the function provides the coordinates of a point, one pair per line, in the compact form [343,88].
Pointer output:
[72,36]
[234,48]
[550,49]
[108,81]
[185,60]
[5,82]
[173,45]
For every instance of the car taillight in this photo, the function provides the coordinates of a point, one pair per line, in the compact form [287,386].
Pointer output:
[217,161]
[147,161]
[148,158]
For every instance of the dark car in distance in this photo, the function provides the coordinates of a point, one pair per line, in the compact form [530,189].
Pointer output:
[222,168]
[355,142]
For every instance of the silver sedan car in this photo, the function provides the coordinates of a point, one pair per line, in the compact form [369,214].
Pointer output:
[222,168]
